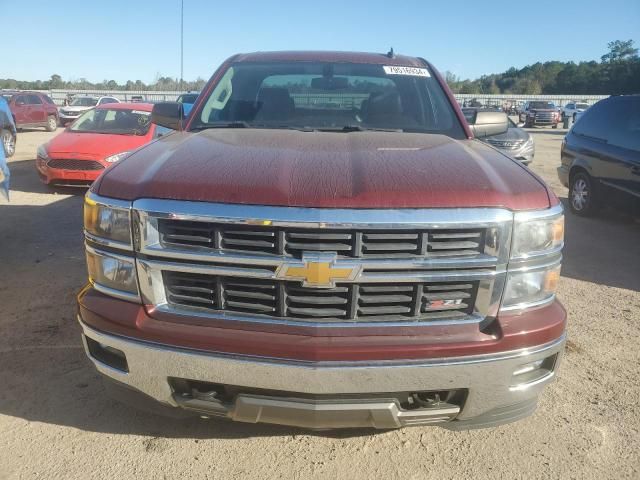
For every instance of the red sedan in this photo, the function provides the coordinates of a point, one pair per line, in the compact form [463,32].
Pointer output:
[96,140]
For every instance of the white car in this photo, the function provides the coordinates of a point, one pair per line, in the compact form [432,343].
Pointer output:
[81,104]
[574,110]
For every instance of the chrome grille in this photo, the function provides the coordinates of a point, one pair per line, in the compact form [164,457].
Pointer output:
[544,117]
[321,266]
[74,164]
[345,242]
[506,144]
[347,302]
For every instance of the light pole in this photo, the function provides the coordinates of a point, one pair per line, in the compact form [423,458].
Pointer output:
[181,43]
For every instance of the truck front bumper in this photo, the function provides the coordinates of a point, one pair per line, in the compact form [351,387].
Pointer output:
[499,388]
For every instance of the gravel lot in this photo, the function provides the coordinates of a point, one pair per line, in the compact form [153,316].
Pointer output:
[57,422]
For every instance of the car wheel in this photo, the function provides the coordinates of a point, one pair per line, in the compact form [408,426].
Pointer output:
[555,125]
[8,142]
[574,118]
[52,123]
[582,195]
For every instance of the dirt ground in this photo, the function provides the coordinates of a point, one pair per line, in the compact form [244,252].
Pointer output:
[57,422]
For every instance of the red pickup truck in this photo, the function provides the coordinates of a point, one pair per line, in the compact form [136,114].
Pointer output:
[322,243]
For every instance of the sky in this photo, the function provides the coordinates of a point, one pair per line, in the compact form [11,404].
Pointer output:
[130,40]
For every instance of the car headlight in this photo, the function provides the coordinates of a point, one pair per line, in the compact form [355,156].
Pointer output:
[534,236]
[534,266]
[112,274]
[117,157]
[528,288]
[42,152]
[108,223]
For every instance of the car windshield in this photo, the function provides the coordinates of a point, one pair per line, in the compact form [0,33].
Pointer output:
[582,105]
[541,105]
[84,102]
[188,98]
[323,96]
[113,121]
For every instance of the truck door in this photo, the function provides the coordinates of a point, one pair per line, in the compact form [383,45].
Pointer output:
[37,111]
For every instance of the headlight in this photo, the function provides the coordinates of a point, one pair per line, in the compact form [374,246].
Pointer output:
[108,222]
[528,288]
[112,274]
[42,152]
[535,236]
[117,157]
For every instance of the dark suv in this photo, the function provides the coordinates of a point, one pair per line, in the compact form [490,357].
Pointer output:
[32,110]
[601,156]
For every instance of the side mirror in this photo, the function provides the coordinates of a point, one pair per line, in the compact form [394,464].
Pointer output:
[168,114]
[487,124]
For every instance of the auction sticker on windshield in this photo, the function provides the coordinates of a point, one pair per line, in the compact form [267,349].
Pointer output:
[413,71]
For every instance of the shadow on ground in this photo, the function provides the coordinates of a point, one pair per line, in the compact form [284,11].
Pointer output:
[603,249]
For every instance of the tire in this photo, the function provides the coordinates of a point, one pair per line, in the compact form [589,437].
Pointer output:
[555,125]
[52,123]
[574,118]
[583,199]
[8,140]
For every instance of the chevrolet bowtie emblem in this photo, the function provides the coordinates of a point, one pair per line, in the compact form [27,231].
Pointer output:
[318,271]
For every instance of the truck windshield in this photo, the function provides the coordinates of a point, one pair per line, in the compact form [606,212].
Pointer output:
[328,96]
[542,105]
[112,121]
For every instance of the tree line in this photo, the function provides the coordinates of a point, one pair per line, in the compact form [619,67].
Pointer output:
[56,82]
[617,73]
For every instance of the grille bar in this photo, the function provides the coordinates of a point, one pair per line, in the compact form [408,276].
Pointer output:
[346,243]
[347,302]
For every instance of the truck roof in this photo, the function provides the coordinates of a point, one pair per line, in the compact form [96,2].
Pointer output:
[329,56]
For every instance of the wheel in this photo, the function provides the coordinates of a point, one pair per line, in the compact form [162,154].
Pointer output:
[555,125]
[52,123]
[574,118]
[8,142]
[583,200]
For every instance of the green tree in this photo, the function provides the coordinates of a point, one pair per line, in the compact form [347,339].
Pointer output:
[620,51]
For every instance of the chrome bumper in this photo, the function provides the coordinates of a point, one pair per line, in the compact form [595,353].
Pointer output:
[494,394]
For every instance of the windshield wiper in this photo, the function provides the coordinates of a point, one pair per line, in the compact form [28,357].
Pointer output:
[237,124]
[357,128]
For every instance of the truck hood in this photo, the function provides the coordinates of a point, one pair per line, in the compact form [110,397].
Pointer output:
[324,169]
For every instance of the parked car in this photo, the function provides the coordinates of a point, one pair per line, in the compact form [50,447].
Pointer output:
[187,100]
[601,157]
[32,109]
[99,138]
[354,262]
[7,130]
[515,142]
[574,110]
[81,104]
[539,113]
